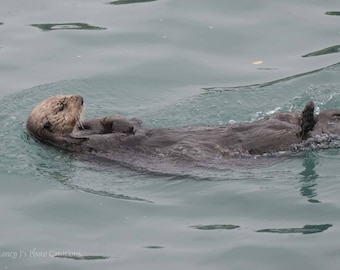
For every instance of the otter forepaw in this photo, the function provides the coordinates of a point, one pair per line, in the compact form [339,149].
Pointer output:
[119,124]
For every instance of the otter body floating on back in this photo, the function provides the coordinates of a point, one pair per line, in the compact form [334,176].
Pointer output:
[57,121]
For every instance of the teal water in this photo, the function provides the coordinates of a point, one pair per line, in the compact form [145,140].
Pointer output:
[169,63]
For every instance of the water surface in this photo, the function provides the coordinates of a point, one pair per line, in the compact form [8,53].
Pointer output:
[171,64]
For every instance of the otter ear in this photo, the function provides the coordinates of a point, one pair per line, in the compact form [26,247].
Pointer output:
[307,119]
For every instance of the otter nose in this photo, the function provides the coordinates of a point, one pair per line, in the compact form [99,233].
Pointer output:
[80,99]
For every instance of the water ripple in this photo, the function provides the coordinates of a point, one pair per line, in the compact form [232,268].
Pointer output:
[78,258]
[215,227]
[124,2]
[307,229]
[333,13]
[328,50]
[66,26]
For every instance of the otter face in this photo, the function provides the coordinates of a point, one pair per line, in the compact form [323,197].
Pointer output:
[55,116]
[328,122]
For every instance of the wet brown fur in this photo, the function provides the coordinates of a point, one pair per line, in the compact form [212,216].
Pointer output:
[57,121]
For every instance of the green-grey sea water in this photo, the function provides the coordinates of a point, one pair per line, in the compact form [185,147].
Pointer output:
[169,63]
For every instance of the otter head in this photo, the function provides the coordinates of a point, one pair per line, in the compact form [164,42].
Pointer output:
[55,117]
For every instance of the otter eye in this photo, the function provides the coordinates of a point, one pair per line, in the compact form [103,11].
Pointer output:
[61,106]
[48,126]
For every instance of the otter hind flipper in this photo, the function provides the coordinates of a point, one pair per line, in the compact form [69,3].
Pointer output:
[307,119]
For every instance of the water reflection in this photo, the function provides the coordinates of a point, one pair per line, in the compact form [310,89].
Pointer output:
[66,26]
[124,2]
[307,229]
[329,50]
[333,13]
[308,181]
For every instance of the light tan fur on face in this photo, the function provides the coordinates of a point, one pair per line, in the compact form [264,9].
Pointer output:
[56,115]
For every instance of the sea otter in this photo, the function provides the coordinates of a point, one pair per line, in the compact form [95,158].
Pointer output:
[58,121]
